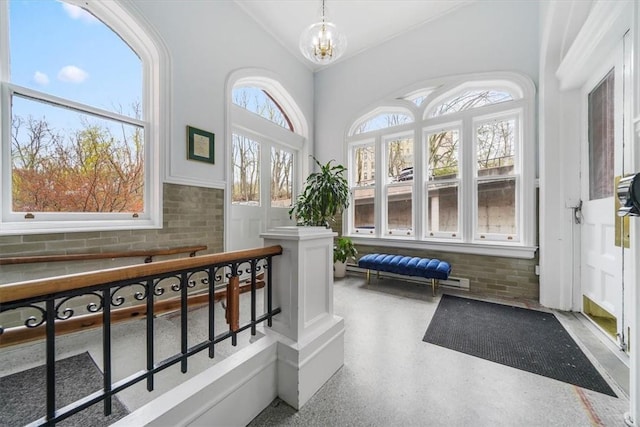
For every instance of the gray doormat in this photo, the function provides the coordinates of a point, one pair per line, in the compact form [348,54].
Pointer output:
[533,341]
[23,397]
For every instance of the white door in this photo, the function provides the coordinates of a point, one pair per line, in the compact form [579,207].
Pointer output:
[262,188]
[602,160]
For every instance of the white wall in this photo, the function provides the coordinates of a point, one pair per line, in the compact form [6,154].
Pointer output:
[481,37]
[207,40]
[559,161]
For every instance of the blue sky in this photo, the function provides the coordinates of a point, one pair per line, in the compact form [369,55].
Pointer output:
[62,50]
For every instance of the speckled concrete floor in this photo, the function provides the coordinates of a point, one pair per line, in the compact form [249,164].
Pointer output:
[392,378]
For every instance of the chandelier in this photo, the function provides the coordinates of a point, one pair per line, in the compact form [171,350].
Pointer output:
[322,43]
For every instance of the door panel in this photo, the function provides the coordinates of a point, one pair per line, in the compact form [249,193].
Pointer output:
[601,267]
[281,186]
[259,203]
[246,193]
[602,148]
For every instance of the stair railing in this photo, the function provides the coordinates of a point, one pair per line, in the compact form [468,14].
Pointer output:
[50,300]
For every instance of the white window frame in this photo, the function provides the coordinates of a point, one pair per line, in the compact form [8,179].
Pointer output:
[466,241]
[387,184]
[375,176]
[478,121]
[445,127]
[146,43]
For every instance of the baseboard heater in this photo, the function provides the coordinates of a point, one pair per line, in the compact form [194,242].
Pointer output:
[451,282]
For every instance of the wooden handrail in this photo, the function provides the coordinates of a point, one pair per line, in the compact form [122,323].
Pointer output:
[41,287]
[148,253]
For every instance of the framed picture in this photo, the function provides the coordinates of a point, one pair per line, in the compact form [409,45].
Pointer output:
[200,145]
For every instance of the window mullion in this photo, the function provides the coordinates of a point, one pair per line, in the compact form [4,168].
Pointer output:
[380,204]
[468,192]
[419,189]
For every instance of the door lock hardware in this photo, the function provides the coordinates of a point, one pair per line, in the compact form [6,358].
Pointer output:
[577,213]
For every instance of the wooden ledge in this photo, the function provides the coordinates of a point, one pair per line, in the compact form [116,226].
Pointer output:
[148,254]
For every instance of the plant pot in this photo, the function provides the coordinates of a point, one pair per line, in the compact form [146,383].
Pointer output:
[339,269]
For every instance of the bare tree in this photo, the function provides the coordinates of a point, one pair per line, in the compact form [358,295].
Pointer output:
[246,166]
[471,99]
[281,171]
[495,144]
[443,153]
[87,170]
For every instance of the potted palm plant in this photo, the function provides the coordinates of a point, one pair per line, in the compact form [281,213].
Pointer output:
[343,249]
[324,196]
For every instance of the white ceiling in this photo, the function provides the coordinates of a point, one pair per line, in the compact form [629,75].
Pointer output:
[365,23]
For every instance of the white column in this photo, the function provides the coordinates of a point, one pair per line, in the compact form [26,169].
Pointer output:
[632,418]
[310,338]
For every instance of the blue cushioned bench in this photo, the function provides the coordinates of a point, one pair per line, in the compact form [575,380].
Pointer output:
[433,269]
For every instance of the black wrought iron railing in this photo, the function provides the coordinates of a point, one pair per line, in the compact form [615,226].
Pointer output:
[109,290]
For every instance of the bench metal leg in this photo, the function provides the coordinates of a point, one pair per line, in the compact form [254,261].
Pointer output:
[434,285]
[368,275]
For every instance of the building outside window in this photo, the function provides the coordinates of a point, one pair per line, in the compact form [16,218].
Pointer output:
[449,163]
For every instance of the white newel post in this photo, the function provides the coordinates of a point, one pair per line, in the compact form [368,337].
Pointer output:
[310,338]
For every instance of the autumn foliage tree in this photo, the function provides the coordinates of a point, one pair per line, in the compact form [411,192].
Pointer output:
[90,169]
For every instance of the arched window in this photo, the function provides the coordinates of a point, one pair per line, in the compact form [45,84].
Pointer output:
[382,118]
[77,151]
[469,99]
[457,176]
[418,97]
[383,121]
[260,102]
[264,156]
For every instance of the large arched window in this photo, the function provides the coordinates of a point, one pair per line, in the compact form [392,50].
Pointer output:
[457,176]
[261,102]
[268,134]
[81,91]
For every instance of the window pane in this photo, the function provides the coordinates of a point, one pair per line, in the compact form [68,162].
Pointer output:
[496,147]
[246,171]
[418,100]
[363,214]
[601,139]
[497,207]
[443,154]
[443,208]
[383,121]
[419,97]
[400,159]
[258,101]
[363,170]
[281,178]
[54,49]
[399,208]
[64,161]
[471,99]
